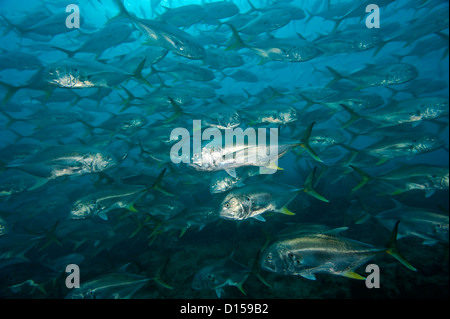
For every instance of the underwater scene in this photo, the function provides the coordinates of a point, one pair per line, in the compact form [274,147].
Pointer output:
[245,149]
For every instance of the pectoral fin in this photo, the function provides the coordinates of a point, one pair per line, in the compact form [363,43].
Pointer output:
[286,211]
[231,172]
[131,208]
[309,276]
[241,289]
[259,217]
[353,275]
[103,215]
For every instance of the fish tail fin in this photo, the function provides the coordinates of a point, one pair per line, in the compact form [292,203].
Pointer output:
[157,186]
[365,178]
[255,268]
[140,225]
[275,93]
[239,286]
[379,48]
[337,76]
[352,153]
[10,91]
[11,26]
[177,111]
[304,142]
[353,116]
[157,278]
[391,249]
[252,8]
[89,127]
[143,151]
[309,102]
[238,43]
[19,135]
[50,237]
[123,12]
[70,53]
[224,75]
[127,102]
[11,120]
[138,73]
[337,23]
[308,187]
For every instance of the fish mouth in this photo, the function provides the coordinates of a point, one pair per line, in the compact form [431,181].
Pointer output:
[226,215]
[267,266]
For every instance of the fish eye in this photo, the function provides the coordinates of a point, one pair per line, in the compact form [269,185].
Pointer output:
[50,72]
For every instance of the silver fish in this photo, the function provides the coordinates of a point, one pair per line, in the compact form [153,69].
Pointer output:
[428,225]
[311,254]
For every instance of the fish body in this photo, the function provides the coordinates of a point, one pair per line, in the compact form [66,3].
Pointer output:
[214,157]
[76,73]
[223,273]
[19,61]
[431,226]
[15,181]
[184,16]
[266,22]
[422,177]
[109,286]
[167,36]
[411,111]
[222,182]
[101,202]
[379,75]
[67,160]
[276,113]
[252,200]
[404,146]
[311,254]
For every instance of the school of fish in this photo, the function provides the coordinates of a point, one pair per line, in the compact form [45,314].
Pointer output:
[87,175]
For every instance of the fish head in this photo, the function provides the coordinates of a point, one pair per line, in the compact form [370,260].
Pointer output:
[271,259]
[444,181]
[221,183]
[288,116]
[280,258]
[185,47]
[426,144]
[101,162]
[228,120]
[401,72]
[133,123]
[208,159]
[205,279]
[81,210]
[3,228]
[63,76]
[434,109]
[81,293]
[235,206]
[440,230]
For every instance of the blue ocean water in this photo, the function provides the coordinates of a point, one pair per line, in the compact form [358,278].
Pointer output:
[96,171]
